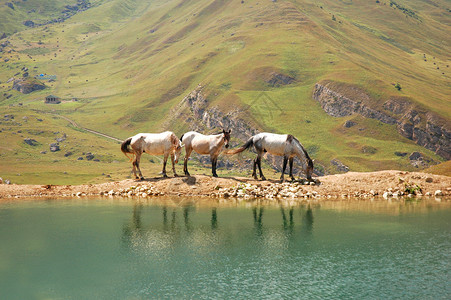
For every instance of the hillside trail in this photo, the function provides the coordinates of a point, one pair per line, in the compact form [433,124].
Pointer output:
[92,131]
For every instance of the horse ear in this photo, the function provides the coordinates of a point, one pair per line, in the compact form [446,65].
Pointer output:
[230,131]
[223,131]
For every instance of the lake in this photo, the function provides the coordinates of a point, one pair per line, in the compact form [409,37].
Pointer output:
[181,248]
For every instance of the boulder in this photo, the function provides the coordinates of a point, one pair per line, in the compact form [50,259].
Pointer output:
[54,147]
[349,124]
[31,142]
[28,23]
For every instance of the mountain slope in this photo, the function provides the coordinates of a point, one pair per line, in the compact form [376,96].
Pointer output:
[130,64]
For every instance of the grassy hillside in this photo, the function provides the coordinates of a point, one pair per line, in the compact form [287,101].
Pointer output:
[129,62]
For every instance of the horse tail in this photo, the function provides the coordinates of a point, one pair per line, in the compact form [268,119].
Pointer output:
[248,144]
[125,149]
[181,138]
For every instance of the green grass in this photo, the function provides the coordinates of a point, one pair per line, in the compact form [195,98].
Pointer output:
[130,62]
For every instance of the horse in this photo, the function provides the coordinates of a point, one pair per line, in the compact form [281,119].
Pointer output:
[204,144]
[165,143]
[284,145]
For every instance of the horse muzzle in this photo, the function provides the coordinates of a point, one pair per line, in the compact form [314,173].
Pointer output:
[227,146]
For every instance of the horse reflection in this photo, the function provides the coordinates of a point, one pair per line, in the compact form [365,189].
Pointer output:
[307,222]
[258,220]
[134,234]
[288,225]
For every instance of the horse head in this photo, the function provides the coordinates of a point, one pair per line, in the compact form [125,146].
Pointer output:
[226,137]
[177,151]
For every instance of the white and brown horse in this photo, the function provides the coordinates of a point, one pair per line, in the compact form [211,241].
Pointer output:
[204,144]
[284,145]
[165,143]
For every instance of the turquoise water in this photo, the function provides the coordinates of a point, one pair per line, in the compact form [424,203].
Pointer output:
[102,249]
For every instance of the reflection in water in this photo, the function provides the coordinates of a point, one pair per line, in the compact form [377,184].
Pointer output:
[214,219]
[287,224]
[307,222]
[258,220]
[135,235]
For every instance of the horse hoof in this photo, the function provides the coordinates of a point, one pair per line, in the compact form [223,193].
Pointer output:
[165,176]
[187,174]
[215,175]
[141,178]
[263,178]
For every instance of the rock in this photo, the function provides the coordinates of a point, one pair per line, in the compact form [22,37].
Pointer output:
[80,158]
[10,5]
[31,142]
[69,153]
[415,156]
[349,124]
[402,154]
[438,193]
[429,180]
[28,23]
[89,156]
[54,147]
[339,165]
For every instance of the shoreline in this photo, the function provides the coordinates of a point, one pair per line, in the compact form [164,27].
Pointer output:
[386,184]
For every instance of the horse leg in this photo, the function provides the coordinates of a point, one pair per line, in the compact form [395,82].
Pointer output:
[291,168]
[173,165]
[185,162]
[165,159]
[285,160]
[254,173]
[259,162]
[214,160]
[134,168]
[136,164]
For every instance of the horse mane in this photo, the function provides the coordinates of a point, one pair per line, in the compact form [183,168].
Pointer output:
[174,140]
[309,160]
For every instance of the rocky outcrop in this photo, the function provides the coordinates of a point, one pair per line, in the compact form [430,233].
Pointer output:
[279,79]
[26,86]
[424,128]
[204,118]
[338,105]
[339,165]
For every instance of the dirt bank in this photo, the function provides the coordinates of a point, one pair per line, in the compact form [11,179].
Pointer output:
[352,184]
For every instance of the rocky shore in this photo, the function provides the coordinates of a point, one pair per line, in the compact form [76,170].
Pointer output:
[383,184]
